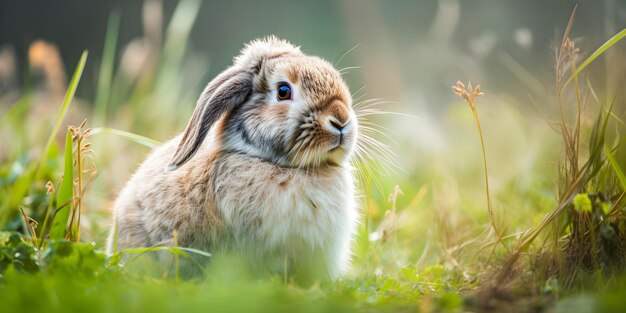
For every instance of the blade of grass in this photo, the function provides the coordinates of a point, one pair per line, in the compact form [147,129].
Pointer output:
[30,225]
[177,36]
[145,141]
[168,84]
[616,168]
[106,69]
[605,46]
[66,192]
[176,263]
[178,250]
[74,225]
[67,100]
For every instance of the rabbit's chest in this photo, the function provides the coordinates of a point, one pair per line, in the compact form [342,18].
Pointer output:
[282,209]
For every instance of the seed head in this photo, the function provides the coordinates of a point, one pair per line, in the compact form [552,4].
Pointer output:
[468,93]
[49,187]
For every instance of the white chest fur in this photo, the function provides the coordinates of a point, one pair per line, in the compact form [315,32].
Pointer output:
[276,213]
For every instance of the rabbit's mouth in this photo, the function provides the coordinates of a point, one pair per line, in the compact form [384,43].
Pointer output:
[341,142]
[337,155]
[335,152]
[339,151]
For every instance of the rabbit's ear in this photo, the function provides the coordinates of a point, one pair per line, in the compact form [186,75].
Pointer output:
[225,92]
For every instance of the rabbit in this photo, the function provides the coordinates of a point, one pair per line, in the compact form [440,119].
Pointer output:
[261,171]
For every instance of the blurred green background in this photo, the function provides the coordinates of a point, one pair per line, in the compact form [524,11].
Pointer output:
[408,50]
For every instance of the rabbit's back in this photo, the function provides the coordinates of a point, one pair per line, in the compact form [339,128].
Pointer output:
[155,203]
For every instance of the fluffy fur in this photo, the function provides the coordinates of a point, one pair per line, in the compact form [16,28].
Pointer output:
[266,179]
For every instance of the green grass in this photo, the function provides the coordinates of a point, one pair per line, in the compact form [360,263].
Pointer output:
[556,198]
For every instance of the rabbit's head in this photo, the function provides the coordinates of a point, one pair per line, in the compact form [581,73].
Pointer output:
[278,104]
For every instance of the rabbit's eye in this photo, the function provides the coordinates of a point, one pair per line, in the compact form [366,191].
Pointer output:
[283,91]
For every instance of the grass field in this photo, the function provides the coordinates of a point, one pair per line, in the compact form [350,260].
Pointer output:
[506,211]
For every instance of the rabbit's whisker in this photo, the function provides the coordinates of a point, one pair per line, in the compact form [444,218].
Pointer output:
[343,55]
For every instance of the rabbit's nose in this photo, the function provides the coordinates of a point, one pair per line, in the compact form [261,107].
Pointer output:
[337,127]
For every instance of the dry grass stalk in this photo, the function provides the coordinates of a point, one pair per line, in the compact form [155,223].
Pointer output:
[469,94]
[587,217]
[570,172]
[82,152]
